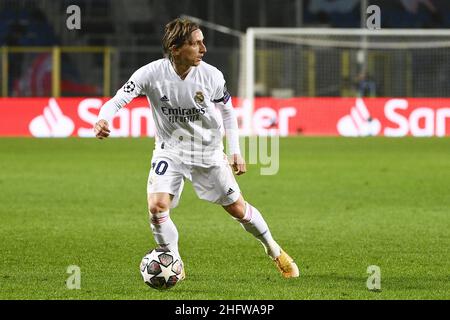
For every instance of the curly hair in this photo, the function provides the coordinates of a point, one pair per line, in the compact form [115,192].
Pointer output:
[176,33]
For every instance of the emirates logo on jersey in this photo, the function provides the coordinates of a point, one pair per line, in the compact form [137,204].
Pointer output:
[199,97]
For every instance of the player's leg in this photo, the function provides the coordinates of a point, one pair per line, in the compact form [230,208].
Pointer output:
[253,222]
[164,187]
[163,228]
[218,184]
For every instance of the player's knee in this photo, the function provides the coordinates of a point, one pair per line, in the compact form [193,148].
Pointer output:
[158,206]
[158,202]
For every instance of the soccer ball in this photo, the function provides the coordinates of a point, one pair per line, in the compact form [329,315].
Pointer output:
[161,269]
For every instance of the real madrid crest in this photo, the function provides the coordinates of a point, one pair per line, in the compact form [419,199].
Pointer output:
[199,97]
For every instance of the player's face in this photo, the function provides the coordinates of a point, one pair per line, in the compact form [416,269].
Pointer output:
[191,53]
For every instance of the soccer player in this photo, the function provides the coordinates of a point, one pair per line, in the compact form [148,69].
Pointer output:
[186,94]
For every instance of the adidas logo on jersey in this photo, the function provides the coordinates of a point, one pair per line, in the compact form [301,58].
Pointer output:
[164,98]
[230,191]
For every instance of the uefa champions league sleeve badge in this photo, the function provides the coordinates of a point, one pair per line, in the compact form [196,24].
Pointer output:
[129,87]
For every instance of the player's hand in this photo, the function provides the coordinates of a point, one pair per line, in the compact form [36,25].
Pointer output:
[101,129]
[237,163]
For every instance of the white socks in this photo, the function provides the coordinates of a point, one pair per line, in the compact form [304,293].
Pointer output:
[254,223]
[164,231]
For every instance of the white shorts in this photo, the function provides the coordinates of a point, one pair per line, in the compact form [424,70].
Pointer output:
[215,184]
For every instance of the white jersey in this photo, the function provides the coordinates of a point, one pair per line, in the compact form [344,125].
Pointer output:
[186,119]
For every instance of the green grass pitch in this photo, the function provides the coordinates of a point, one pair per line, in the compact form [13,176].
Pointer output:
[336,205]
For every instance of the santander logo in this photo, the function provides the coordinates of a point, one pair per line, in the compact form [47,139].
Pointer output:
[399,120]
[420,122]
[358,123]
[52,123]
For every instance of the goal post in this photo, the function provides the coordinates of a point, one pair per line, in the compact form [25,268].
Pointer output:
[321,62]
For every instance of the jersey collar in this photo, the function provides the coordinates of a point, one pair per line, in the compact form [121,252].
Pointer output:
[175,74]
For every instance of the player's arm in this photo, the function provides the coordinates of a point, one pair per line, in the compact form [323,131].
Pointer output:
[107,112]
[124,95]
[232,133]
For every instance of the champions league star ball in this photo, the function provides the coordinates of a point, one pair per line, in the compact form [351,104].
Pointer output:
[161,269]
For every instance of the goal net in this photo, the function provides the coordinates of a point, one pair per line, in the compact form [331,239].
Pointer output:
[313,62]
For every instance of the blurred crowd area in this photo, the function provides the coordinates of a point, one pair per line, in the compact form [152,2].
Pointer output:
[135,27]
